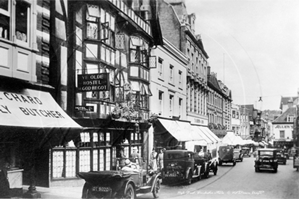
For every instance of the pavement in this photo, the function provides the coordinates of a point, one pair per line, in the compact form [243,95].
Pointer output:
[57,192]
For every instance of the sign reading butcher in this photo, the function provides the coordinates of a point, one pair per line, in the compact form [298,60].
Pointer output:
[93,82]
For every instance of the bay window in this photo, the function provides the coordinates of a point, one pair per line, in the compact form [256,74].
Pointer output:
[17,39]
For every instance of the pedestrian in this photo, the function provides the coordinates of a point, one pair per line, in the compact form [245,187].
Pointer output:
[122,157]
[135,156]
[160,158]
[208,155]
[4,184]
[153,162]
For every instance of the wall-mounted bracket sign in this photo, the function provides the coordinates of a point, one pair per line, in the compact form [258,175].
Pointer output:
[84,108]
[93,82]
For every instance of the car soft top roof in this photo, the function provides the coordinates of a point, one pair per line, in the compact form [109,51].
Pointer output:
[268,149]
[178,151]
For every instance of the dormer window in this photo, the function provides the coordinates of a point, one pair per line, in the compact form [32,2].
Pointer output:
[290,118]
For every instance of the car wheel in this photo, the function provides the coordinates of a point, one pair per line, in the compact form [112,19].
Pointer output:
[234,163]
[156,188]
[256,169]
[275,170]
[284,163]
[129,192]
[189,180]
[215,170]
[241,159]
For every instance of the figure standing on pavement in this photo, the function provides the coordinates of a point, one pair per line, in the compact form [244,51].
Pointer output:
[4,184]
[160,158]
[153,162]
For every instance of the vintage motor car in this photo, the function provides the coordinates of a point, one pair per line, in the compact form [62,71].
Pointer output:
[183,166]
[238,155]
[266,159]
[120,183]
[246,152]
[226,155]
[281,157]
[296,159]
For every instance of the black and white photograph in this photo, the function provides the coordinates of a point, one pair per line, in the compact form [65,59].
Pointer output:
[147,99]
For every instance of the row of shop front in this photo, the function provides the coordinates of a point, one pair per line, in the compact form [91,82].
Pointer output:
[173,134]
[42,145]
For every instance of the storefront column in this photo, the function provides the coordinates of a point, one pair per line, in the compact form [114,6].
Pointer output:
[32,192]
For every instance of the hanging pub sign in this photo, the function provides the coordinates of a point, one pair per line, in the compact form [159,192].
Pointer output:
[93,82]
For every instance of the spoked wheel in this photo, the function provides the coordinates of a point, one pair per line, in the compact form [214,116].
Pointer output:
[129,192]
[156,188]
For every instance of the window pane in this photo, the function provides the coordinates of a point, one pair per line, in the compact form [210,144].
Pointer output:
[4,26]
[134,71]
[107,159]
[71,164]
[91,68]
[134,56]
[4,5]
[123,60]
[84,160]
[101,159]
[92,50]
[92,30]
[95,160]
[57,164]
[102,55]
[22,15]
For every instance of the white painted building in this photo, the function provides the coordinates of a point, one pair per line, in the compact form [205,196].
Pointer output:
[235,119]
[168,82]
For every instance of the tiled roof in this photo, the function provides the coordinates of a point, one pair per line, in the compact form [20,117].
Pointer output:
[213,82]
[286,100]
[283,117]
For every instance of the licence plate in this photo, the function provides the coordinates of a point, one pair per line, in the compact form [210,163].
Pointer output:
[266,161]
[101,189]
[171,175]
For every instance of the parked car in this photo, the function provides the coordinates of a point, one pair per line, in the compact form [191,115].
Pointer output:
[246,152]
[266,159]
[296,159]
[281,157]
[238,155]
[226,155]
[184,166]
[120,183]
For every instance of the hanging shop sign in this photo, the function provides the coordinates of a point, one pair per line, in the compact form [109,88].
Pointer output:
[84,108]
[93,82]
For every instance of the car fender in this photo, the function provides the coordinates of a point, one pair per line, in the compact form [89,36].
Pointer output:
[187,172]
[153,179]
[126,184]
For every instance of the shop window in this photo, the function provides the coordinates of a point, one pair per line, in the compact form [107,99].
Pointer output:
[21,19]
[16,31]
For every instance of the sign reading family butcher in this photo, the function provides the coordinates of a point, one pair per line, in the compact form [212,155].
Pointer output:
[93,82]
[32,108]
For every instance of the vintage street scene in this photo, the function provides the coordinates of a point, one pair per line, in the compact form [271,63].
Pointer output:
[149,99]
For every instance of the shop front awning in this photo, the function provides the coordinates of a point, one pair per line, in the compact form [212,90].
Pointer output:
[174,129]
[181,130]
[35,113]
[210,134]
[206,137]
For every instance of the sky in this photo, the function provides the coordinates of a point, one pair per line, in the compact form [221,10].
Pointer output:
[253,46]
